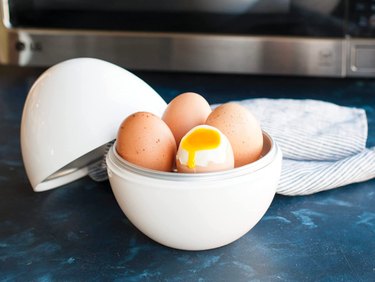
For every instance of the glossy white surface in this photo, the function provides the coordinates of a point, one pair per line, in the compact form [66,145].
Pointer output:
[196,211]
[72,109]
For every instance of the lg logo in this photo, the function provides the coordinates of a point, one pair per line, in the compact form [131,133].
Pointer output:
[32,46]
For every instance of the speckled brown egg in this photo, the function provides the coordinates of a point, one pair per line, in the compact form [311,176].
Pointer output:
[241,128]
[146,140]
[184,112]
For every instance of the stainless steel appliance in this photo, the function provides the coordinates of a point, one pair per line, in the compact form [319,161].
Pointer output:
[291,37]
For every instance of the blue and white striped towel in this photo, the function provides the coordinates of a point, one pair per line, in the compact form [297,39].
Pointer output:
[323,144]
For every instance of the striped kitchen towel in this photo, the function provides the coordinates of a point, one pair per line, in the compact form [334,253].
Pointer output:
[323,144]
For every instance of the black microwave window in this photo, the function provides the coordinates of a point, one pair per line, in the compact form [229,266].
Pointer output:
[241,17]
[361,18]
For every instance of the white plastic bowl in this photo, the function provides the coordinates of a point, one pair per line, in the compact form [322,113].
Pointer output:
[196,211]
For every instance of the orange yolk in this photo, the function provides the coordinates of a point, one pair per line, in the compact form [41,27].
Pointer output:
[200,139]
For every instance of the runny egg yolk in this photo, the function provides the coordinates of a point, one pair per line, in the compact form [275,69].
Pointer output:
[198,140]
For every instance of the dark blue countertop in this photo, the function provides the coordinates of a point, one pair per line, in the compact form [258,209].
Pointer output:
[78,232]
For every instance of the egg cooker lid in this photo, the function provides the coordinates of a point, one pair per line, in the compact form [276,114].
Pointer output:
[71,112]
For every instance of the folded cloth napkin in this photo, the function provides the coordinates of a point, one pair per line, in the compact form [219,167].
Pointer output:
[323,144]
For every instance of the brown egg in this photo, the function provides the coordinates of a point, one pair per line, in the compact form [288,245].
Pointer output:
[184,112]
[241,128]
[146,140]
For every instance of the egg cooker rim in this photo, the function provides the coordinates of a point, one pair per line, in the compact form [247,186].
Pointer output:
[114,159]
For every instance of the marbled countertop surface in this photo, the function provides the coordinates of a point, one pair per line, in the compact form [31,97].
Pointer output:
[78,232]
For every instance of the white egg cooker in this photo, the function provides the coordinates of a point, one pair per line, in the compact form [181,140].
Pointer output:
[74,110]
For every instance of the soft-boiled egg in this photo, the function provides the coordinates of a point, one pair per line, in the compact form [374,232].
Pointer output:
[204,149]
